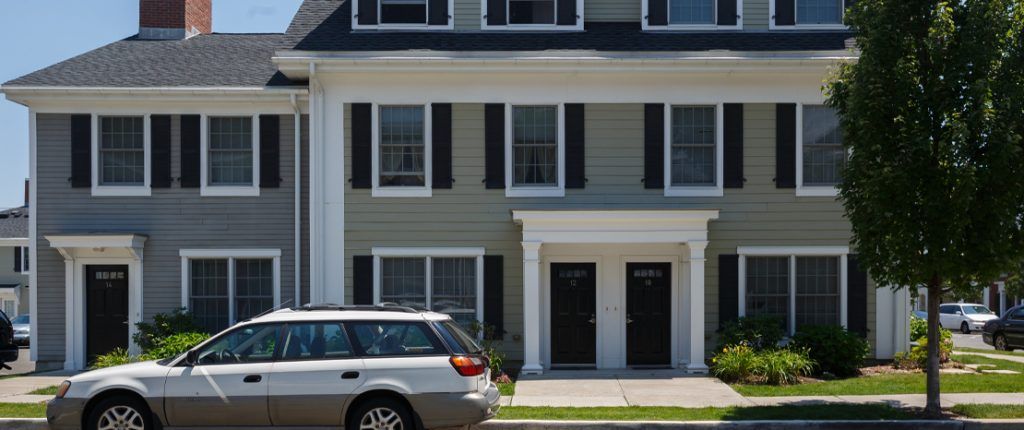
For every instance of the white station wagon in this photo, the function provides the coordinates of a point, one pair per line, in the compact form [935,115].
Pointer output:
[361,367]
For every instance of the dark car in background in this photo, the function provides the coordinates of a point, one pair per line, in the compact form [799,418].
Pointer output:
[8,350]
[1006,333]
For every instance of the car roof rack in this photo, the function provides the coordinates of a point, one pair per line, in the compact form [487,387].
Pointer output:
[382,307]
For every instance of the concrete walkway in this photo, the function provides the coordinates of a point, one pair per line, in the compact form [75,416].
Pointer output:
[589,388]
[16,389]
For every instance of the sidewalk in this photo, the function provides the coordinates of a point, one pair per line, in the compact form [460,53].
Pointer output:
[15,389]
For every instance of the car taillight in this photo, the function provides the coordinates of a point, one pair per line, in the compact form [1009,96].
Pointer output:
[468,365]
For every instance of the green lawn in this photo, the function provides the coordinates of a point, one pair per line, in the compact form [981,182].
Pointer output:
[635,413]
[23,410]
[901,383]
[989,351]
[508,389]
[989,411]
[48,391]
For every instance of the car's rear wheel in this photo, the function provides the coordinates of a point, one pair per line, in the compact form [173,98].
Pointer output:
[1000,343]
[964,328]
[382,414]
[119,413]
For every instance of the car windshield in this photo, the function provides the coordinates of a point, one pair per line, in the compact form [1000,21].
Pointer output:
[977,310]
[21,319]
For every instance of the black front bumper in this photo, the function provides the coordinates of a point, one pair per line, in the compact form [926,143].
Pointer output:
[9,354]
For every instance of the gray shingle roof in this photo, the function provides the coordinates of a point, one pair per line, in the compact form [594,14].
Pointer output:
[326,25]
[14,223]
[238,60]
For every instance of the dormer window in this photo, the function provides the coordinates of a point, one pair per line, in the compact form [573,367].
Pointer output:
[402,14]
[532,15]
[808,14]
[692,14]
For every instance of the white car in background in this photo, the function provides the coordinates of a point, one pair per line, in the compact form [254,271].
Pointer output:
[966,317]
[359,367]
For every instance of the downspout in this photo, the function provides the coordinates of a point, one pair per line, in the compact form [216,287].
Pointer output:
[298,200]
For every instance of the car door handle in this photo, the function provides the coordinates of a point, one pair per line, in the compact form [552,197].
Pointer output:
[252,379]
[350,375]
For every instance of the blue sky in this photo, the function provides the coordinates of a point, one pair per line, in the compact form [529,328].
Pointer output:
[37,33]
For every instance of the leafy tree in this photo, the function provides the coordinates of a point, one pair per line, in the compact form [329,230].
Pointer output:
[933,113]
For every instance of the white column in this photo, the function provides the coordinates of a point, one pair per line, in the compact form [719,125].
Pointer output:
[696,309]
[70,352]
[531,309]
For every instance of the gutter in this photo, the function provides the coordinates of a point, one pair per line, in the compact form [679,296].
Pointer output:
[151,90]
[298,200]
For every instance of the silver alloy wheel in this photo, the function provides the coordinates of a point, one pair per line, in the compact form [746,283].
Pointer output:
[121,417]
[1000,343]
[381,419]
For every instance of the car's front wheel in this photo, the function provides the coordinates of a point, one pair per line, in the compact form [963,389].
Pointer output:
[964,328]
[382,414]
[1000,343]
[119,413]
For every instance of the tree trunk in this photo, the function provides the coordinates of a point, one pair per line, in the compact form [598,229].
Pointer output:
[933,407]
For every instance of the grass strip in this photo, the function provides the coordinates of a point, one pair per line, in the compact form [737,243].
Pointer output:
[989,351]
[48,391]
[870,412]
[23,410]
[987,411]
[507,389]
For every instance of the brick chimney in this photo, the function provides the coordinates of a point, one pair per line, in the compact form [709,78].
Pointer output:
[174,19]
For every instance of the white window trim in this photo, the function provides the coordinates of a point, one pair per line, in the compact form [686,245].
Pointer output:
[801,189]
[25,268]
[533,191]
[357,26]
[231,255]
[99,190]
[207,190]
[426,189]
[799,26]
[532,27]
[676,27]
[716,190]
[792,252]
[429,254]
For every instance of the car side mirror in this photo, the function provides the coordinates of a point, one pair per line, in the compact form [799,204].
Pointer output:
[192,357]
[959,313]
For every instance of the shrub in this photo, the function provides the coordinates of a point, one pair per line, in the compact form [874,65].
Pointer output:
[734,363]
[834,349]
[488,333]
[742,363]
[917,358]
[918,328]
[165,325]
[174,345]
[757,332]
[116,357]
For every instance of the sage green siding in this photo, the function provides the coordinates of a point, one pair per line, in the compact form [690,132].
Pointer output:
[470,215]
[755,14]
[612,10]
[467,14]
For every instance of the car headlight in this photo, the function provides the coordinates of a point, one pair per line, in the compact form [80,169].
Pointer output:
[63,389]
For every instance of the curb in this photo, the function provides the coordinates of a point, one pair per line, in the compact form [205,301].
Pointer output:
[751,425]
[23,424]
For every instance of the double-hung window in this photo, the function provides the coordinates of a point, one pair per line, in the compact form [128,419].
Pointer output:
[402,151]
[531,12]
[799,286]
[449,281]
[691,12]
[222,287]
[821,155]
[121,156]
[403,12]
[793,14]
[21,260]
[535,152]
[694,152]
[547,15]
[230,156]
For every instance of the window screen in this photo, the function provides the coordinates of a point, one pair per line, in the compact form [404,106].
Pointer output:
[231,151]
[767,286]
[817,291]
[819,11]
[691,12]
[824,156]
[122,151]
[693,145]
[535,146]
[402,146]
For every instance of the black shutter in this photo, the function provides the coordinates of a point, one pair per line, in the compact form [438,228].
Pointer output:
[367,12]
[657,12]
[785,146]
[438,12]
[190,136]
[81,151]
[160,157]
[362,139]
[362,280]
[728,288]
[441,130]
[494,294]
[856,297]
[654,146]
[496,13]
[566,12]
[17,259]
[727,12]
[575,147]
[785,12]
[270,151]
[494,145]
[733,137]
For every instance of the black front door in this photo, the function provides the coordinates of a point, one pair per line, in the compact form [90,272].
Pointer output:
[106,307]
[648,314]
[574,313]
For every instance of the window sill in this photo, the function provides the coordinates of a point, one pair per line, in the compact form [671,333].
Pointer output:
[811,27]
[694,192]
[817,191]
[535,192]
[229,191]
[121,191]
[420,192]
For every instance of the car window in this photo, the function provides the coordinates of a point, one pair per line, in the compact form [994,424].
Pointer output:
[976,310]
[21,319]
[946,309]
[1018,314]
[395,338]
[316,341]
[457,338]
[249,344]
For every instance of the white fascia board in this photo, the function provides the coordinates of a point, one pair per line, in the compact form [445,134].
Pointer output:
[521,216]
[96,241]
[13,241]
[229,253]
[12,89]
[427,251]
[792,250]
